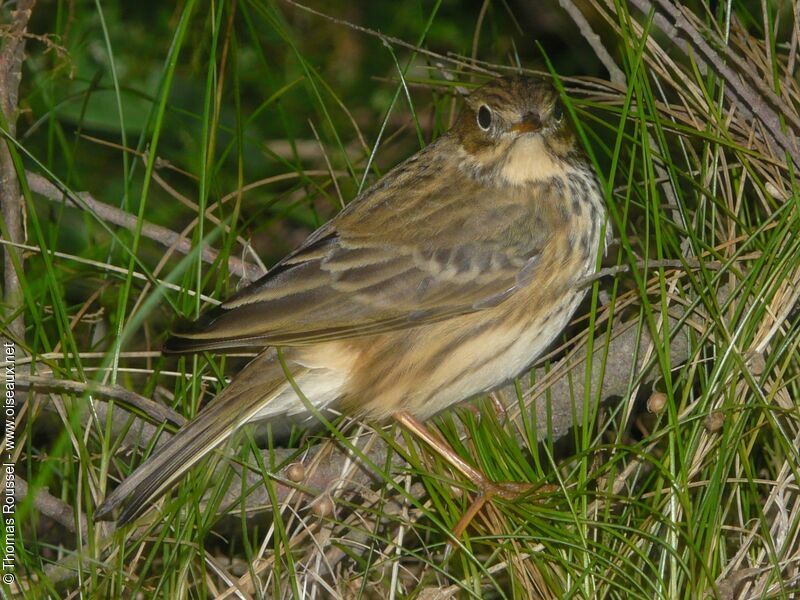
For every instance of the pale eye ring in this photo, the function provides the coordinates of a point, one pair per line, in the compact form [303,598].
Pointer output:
[484,117]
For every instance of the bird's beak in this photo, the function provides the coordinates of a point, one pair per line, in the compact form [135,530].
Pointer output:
[529,123]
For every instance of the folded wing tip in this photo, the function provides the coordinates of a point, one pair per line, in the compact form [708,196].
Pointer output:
[105,512]
[175,344]
[116,509]
[184,337]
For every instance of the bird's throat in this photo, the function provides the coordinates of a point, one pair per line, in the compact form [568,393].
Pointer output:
[529,160]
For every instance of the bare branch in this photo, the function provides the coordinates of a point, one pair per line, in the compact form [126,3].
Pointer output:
[156,412]
[11,56]
[157,233]
[50,506]
[752,102]
[614,72]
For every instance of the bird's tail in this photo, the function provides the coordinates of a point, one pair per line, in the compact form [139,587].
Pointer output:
[259,390]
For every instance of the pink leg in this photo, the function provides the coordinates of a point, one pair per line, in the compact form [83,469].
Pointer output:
[508,490]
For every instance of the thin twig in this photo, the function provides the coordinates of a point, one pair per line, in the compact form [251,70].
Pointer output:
[50,506]
[667,263]
[104,266]
[156,412]
[614,72]
[11,56]
[157,233]
[388,39]
[478,26]
[747,99]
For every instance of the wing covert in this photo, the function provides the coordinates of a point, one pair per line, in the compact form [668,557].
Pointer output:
[362,274]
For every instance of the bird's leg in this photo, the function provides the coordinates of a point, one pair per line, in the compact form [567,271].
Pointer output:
[499,406]
[488,489]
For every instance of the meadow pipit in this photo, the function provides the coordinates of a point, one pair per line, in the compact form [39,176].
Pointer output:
[443,280]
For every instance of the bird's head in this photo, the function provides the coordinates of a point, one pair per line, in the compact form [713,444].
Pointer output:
[506,111]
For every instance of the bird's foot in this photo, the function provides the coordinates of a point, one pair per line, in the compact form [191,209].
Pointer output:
[488,489]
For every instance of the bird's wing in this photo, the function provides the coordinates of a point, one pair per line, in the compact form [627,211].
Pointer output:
[405,253]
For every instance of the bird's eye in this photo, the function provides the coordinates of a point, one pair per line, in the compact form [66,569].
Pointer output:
[558,112]
[484,117]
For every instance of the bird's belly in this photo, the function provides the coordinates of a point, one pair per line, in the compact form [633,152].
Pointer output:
[426,371]
[530,343]
[504,357]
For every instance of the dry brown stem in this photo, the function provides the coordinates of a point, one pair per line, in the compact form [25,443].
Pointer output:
[11,56]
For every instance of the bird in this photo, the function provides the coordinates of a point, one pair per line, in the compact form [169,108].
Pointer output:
[442,281]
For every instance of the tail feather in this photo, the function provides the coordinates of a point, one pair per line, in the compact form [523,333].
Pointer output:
[261,381]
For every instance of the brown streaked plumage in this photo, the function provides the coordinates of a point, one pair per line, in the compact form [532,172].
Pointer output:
[442,281]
